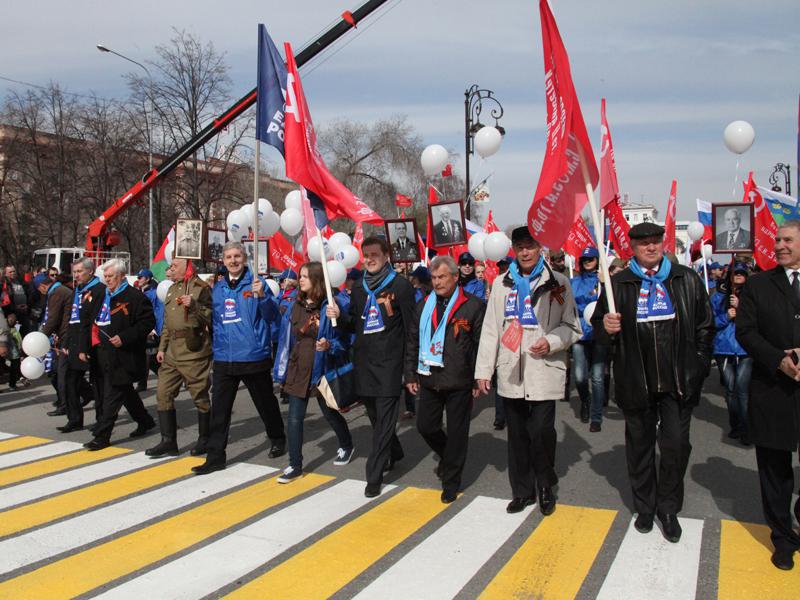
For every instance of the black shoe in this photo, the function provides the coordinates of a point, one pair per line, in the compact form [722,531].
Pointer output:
[584,412]
[96,444]
[278,449]
[209,467]
[783,560]
[168,446]
[499,425]
[142,429]
[670,527]
[449,496]
[371,491]
[594,427]
[59,412]
[547,500]
[203,429]
[70,427]
[519,504]
[644,522]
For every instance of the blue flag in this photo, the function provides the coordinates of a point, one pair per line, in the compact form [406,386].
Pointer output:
[270,103]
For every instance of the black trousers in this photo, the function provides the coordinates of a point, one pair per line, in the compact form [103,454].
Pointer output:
[451,446]
[382,412]
[666,422]
[531,445]
[114,397]
[225,382]
[75,388]
[776,476]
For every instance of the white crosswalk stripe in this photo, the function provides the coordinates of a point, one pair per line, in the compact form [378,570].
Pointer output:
[6,436]
[19,457]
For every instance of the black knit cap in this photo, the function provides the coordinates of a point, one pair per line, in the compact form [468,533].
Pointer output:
[645,230]
[521,234]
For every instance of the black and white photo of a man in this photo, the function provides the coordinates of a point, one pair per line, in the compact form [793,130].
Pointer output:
[187,234]
[402,240]
[448,227]
[216,240]
[731,229]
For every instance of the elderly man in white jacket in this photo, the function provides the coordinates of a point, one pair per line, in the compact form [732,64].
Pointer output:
[530,323]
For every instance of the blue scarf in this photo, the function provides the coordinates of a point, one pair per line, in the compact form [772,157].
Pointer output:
[46,304]
[77,300]
[518,301]
[373,319]
[654,301]
[104,317]
[431,343]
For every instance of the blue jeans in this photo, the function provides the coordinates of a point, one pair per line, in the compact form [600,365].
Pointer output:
[297,414]
[736,372]
[589,360]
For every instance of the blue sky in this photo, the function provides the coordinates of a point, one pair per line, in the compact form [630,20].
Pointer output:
[674,74]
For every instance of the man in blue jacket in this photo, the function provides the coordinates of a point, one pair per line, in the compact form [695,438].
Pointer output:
[243,310]
[147,285]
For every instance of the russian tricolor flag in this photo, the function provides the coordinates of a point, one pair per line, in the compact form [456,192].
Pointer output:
[704,216]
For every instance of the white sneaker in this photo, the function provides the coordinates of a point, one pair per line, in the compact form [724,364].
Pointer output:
[343,456]
[289,475]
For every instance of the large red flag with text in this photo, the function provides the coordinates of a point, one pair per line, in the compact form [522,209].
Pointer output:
[609,187]
[282,254]
[304,163]
[618,228]
[578,239]
[561,192]
[766,228]
[669,225]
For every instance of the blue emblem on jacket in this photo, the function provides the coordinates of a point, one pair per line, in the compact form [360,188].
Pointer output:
[725,340]
[585,288]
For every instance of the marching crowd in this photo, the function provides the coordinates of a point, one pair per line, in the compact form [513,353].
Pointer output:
[430,341]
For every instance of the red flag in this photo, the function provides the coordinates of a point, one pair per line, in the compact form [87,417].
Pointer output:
[560,193]
[578,239]
[282,254]
[491,271]
[432,199]
[609,188]
[669,226]
[304,163]
[766,228]
[309,224]
[618,228]
[401,200]
[189,271]
[448,171]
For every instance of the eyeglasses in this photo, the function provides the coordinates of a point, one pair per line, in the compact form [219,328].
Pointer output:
[52,275]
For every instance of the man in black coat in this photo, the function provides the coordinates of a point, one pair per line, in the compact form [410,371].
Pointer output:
[768,328]
[381,310]
[55,320]
[443,376]
[117,335]
[662,336]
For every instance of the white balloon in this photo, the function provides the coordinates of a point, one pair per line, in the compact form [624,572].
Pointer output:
[496,245]
[272,223]
[475,245]
[168,250]
[247,210]
[235,236]
[695,230]
[434,159]
[36,344]
[314,251]
[274,287]
[739,136]
[336,273]
[32,367]
[238,222]
[162,289]
[294,199]
[589,311]
[708,251]
[348,256]
[338,241]
[487,141]
[292,221]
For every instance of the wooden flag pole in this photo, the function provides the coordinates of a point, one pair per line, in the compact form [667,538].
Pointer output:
[598,232]
[324,262]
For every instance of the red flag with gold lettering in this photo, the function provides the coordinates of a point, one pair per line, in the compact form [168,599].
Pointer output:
[766,228]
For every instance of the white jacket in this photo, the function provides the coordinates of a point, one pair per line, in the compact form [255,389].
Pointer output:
[520,374]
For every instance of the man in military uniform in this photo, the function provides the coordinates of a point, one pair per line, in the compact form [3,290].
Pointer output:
[184,354]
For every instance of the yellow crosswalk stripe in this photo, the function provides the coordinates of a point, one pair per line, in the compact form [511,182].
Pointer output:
[48,466]
[745,570]
[555,559]
[328,565]
[70,576]
[30,515]
[18,443]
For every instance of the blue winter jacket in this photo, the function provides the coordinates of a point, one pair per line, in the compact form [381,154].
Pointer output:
[476,287]
[725,342]
[242,321]
[283,305]
[585,288]
[158,308]
[336,357]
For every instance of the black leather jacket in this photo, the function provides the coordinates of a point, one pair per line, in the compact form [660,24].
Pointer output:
[693,325]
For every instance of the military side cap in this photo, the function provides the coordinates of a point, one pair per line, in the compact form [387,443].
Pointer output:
[645,230]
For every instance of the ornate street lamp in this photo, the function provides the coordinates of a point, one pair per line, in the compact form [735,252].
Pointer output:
[473,106]
[781,170]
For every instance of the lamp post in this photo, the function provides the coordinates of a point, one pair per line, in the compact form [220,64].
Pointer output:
[473,106]
[102,48]
[785,171]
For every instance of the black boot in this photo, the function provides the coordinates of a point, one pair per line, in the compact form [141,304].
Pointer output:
[203,428]
[584,411]
[168,446]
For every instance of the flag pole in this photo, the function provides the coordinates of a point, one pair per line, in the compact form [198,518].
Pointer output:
[325,275]
[255,208]
[598,232]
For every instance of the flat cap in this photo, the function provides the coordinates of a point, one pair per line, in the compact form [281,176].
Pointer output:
[645,230]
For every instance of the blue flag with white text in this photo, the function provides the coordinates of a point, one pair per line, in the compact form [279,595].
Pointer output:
[270,103]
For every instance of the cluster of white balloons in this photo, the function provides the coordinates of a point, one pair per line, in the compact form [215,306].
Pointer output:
[695,231]
[489,246]
[435,157]
[739,136]
[338,252]
[240,220]
[36,345]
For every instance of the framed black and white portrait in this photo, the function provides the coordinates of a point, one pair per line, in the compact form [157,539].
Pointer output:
[733,226]
[263,255]
[215,241]
[402,237]
[189,239]
[447,220]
